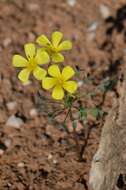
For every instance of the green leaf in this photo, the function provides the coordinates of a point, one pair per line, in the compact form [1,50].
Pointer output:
[83,112]
[68,101]
[64,125]
[74,124]
[108,84]
[96,112]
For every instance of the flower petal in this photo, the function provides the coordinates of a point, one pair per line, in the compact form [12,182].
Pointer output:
[56,38]
[54,71]
[70,86]
[19,61]
[58,93]
[24,75]
[42,57]
[57,57]
[39,73]
[43,40]
[48,83]
[30,50]
[67,73]
[65,45]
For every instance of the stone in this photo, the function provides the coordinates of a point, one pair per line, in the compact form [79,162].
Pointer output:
[104,10]
[20,165]
[33,112]
[8,142]
[33,7]
[1,152]
[11,105]
[80,83]
[71,2]
[93,26]
[7,42]
[14,121]
[50,156]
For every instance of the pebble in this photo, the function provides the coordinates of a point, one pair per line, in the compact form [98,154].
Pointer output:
[50,156]
[93,26]
[7,42]
[33,112]
[11,105]
[1,152]
[80,83]
[7,142]
[71,2]
[55,161]
[14,121]
[20,165]
[104,10]
[33,7]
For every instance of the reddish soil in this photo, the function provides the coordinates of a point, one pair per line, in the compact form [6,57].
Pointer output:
[40,155]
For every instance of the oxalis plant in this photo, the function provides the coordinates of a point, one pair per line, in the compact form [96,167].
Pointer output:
[43,60]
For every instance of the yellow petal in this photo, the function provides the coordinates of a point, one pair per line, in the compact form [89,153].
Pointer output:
[56,38]
[39,73]
[70,86]
[58,93]
[65,45]
[48,83]
[54,71]
[19,61]
[30,50]
[43,40]
[67,73]
[24,75]
[42,57]
[57,57]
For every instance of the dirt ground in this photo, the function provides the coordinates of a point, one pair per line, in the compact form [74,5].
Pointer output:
[38,154]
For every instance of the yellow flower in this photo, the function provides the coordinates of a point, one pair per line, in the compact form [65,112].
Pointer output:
[59,81]
[54,47]
[31,64]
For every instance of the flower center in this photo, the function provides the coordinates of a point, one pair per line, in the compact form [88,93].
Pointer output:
[60,81]
[32,64]
[53,48]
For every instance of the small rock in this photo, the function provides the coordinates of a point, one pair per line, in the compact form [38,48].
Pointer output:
[8,142]
[55,161]
[1,152]
[11,105]
[33,7]
[14,121]
[20,165]
[93,26]
[33,112]
[80,83]
[104,10]
[50,156]
[7,42]
[2,116]
[71,2]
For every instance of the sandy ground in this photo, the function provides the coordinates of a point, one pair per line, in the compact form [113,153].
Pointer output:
[38,154]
